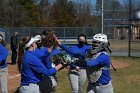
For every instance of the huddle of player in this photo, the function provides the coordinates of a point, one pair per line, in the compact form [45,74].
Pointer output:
[38,73]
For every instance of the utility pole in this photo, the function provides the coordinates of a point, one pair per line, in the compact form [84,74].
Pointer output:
[102,16]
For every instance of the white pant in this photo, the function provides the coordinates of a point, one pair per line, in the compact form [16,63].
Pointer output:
[31,88]
[100,89]
[77,80]
[3,80]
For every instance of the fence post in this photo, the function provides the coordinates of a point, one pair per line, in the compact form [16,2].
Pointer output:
[64,35]
[129,33]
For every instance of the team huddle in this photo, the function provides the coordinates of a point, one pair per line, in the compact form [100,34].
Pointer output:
[40,59]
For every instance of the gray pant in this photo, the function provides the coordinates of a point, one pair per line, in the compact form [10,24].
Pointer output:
[100,89]
[54,84]
[77,80]
[3,80]
[31,88]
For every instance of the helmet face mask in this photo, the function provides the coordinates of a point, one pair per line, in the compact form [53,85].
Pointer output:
[97,47]
[95,44]
[99,43]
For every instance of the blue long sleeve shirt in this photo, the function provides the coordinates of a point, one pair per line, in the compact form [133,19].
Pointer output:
[3,56]
[102,60]
[47,62]
[76,51]
[41,53]
[45,56]
[33,69]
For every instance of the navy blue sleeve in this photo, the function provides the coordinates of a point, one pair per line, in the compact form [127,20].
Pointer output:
[99,60]
[38,66]
[73,65]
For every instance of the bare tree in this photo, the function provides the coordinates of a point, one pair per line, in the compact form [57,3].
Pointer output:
[45,9]
[84,10]
[4,19]
[63,13]
[18,13]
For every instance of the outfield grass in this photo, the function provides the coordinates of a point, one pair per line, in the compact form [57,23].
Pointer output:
[125,80]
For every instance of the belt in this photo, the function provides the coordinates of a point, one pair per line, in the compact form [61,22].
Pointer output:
[99,84]
[82,67]
[54,75]
[30,83]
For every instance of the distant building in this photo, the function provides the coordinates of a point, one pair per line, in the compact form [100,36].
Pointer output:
[122,30]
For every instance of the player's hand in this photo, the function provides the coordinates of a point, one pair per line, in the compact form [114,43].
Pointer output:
[59,43]
[68,67]
[59,67]
[77,68]
[50,49]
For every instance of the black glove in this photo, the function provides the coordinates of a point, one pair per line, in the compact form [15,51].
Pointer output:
[61,58]
[64,64]
[56,59]
[80,63]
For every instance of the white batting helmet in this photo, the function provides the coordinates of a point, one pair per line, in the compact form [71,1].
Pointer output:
[101,38]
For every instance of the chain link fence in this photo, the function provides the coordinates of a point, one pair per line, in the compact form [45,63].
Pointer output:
[68,35]
[118,23]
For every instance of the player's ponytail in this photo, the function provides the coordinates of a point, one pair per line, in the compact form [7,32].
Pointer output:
[20,54]
[21,50]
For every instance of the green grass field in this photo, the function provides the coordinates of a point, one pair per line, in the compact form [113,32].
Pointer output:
[125,80]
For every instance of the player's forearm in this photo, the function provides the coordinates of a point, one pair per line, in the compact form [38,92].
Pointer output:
[58,67]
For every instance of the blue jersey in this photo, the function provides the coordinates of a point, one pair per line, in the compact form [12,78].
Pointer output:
[45,56]
[41,53]
[33,69]
[104,61]
[3,56]
[47,61]
[76,51]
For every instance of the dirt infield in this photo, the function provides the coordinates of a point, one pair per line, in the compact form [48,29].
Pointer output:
[119,64]
[14,76]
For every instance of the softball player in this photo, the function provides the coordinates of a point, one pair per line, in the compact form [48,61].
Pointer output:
[45,85]
[77,75]
[32,68]
[98,63]
[49,65]
[3,66]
